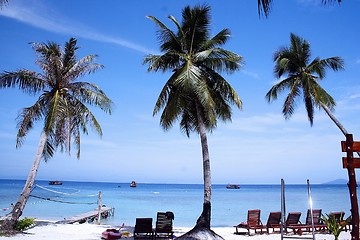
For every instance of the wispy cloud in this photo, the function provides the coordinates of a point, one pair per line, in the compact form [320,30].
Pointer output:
[37,16]
[357,61]
[251,74]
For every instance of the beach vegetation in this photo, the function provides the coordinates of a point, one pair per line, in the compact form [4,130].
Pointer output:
[24,224]
[61,106]
[335,227]
[196,94]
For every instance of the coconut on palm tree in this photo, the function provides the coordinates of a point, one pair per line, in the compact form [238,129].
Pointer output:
[62,106]
[195,94]
[302,80]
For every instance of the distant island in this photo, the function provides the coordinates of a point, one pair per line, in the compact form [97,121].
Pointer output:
[337,181]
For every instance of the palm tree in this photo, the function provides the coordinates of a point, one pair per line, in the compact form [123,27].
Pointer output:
[264,6]
[302,79]
[61,105]
[195,94]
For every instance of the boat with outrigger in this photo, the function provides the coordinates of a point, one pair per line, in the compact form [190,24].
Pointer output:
[233,186]
[55,183]
[133,184]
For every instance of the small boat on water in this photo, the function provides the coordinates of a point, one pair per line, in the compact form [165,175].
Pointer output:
[133,184]
[55,183]
[233,186]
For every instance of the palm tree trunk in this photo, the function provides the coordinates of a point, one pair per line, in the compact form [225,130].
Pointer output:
[205,217]
[351,174]
[202,230]
[12,218]
[337,123]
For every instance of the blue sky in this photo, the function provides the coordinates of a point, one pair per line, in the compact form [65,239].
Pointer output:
[258,146]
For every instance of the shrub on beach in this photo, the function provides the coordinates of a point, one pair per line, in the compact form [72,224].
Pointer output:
[335,227]
[24,224]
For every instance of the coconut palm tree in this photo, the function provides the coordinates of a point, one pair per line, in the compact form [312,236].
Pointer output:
[195,94]
[61,106]
[302,78]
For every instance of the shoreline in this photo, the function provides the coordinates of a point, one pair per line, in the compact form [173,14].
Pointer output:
[90,231]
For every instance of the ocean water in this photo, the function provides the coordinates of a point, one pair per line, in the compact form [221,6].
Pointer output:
[229,206]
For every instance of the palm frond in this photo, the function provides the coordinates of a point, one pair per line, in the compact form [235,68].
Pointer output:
[49,149]
[219,39]
[167,37]
[222,60]
[290,102]
[309,105]
[28,81]
[26,120]
[81,68]
[165,62]
[164,95]
[195,25]
[264,7]
[90,94]
[69,57]
[279,87]
[334,63]
[330,1]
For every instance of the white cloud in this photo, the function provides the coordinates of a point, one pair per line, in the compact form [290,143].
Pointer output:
[36,17]
[251,74]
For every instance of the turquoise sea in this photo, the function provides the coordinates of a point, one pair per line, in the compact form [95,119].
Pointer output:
[229,206]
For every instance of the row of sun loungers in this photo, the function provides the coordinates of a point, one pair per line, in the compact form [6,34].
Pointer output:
[292,223]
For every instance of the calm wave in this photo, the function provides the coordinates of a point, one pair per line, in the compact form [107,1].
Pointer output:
[229,206]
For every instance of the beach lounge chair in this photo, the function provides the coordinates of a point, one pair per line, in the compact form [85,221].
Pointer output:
[292,219]
[164,225]
[319,225]
[143,228]
[274,221]
[253,222]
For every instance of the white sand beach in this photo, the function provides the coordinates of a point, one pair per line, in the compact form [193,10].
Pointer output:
[92,231]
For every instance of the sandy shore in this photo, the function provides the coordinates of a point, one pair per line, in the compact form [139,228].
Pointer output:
[93,231]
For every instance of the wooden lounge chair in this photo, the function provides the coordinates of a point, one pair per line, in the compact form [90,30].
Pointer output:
[292,219]
[253,222]
[319,225]
[164,225]
[143,228]
[274,221]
